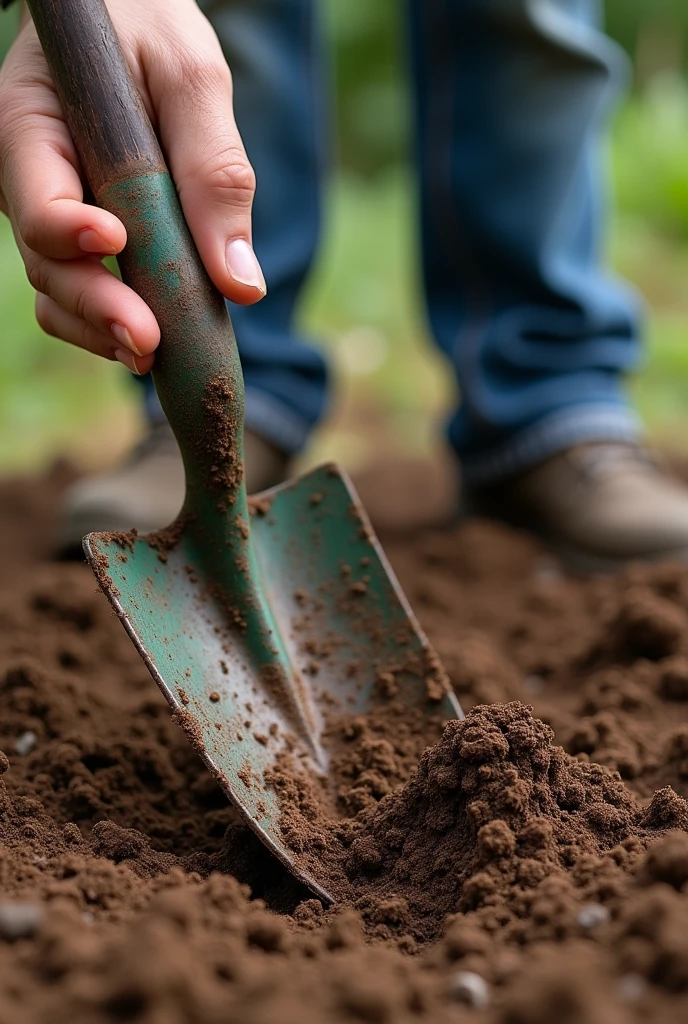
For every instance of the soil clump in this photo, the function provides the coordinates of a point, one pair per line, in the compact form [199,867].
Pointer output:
[530,865]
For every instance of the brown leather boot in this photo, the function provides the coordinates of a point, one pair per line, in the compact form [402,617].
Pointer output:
[146,491]
[597,505]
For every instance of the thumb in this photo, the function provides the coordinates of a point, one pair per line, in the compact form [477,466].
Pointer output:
[210,168]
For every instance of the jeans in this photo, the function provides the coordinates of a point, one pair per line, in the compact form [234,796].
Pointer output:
[511,101]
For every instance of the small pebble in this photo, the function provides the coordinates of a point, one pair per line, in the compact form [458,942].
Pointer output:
[469,988]
[19,920]
[631,987]
[25,743]
[592,915]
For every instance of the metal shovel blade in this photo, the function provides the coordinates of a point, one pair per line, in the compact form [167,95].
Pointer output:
[342,621]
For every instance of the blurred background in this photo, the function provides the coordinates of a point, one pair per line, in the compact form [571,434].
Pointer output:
[363,302]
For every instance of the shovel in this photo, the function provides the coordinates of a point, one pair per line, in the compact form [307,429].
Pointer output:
[258,620]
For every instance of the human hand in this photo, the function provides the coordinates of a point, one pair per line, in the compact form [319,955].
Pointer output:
[186,87]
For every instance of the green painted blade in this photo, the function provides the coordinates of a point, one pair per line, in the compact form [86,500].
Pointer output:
[338,620]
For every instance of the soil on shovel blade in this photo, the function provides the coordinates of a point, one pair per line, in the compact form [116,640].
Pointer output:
[527,865]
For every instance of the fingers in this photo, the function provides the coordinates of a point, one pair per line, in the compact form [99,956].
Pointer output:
[65,228]
[38,170]
[90,295]
[60,237]
[216,184]
[186,86]
[60,323]
[44,195]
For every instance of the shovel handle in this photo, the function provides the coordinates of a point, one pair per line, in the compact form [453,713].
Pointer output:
[197,365]
[101,104]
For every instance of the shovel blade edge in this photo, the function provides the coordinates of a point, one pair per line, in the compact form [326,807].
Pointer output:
[344,622]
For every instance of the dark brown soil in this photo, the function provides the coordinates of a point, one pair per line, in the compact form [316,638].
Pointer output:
[533,867]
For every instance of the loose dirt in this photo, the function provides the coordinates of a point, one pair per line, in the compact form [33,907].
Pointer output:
[531,865]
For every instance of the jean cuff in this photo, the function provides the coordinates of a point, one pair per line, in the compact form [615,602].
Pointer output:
[275,422]
[546,437]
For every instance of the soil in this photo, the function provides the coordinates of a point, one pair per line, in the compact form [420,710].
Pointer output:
[529,866]
[218,441]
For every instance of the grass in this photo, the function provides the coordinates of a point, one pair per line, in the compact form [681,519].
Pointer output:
[363,306]
[54,398]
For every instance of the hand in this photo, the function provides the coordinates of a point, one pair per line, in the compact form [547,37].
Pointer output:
[187,89]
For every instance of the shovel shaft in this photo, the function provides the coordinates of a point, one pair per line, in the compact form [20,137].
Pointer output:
[197,372]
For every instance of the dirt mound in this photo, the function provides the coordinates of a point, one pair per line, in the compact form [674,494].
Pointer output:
[535,862]
[494,809]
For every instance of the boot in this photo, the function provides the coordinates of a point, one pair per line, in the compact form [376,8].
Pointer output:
[597,505]
[146,491]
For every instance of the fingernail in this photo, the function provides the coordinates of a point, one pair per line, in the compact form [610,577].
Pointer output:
[90,241]
[127,359]
[243,265]
[122,335]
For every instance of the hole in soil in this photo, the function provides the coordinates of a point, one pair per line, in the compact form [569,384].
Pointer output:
[127,1005]
[97,762]
[67,659]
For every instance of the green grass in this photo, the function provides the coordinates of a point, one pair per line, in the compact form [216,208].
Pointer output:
[658,265]
[53,398]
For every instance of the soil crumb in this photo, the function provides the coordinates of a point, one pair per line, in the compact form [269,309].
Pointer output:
[526,865]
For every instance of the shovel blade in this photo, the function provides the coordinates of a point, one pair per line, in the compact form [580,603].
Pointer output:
[343,621]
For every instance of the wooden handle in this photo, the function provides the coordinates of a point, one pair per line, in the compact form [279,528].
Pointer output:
[102,106]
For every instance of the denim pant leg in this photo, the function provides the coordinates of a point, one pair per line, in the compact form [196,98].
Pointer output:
[512,98]
[272,48]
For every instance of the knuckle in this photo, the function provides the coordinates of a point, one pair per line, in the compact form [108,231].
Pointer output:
[85,337]
[38,272]
[210,74]
[30,230]
[228,176]
[193,70]
[24,211]
[237,179]
[82,301]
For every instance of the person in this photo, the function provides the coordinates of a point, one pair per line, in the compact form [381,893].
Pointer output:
[511,98]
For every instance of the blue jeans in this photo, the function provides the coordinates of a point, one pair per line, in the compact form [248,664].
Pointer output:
[511,102]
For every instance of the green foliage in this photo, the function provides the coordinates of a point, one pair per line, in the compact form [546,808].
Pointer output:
[372,104]
[52,397]
[651,157]
[627,20]
[8,29]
